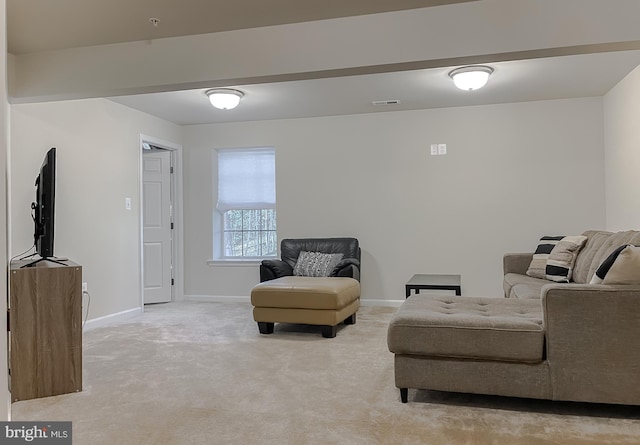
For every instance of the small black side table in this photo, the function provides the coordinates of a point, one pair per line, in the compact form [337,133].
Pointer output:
[433,282]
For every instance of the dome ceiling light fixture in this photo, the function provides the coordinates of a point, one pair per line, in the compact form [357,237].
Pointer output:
[471,77]
[224,98]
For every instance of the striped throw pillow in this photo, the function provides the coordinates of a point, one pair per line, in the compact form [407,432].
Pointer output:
[621,267]
[563,257]
[538,266]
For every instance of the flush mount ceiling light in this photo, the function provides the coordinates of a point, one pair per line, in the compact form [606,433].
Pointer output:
[224,98]
[471,77]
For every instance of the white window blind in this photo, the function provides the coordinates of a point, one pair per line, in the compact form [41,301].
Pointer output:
[246,179]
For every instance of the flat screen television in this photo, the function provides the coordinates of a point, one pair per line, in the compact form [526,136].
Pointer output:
[45,205]
[44,208]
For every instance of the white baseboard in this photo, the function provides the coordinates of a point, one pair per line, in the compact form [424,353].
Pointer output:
[217,299]
[111,318]
[385,303]
[241,299]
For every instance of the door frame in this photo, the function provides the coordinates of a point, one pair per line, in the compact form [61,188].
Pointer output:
[177,251]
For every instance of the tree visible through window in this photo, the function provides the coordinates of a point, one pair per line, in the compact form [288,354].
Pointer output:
[246,202]
[250,233]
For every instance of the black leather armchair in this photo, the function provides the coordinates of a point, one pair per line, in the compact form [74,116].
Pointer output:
[290,249]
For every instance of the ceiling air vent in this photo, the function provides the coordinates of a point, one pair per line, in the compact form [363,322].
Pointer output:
[386,102]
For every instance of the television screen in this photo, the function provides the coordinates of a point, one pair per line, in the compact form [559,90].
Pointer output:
[44,207]
[46,200]
[44,211]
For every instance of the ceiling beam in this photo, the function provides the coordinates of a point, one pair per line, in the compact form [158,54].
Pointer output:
[474,32]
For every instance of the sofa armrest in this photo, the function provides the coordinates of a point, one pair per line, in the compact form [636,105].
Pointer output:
[593,341]
[272,269]
[516,262]
[347,267]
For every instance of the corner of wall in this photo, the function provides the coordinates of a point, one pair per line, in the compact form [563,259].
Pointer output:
[621,156]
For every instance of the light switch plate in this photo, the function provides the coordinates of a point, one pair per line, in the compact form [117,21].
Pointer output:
[127,203]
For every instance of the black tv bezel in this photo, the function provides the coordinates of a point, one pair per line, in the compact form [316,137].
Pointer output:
[44,217]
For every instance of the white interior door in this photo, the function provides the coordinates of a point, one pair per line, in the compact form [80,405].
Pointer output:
[157,230]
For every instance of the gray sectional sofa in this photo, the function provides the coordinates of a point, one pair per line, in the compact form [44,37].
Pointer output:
[599,245]
[560,341]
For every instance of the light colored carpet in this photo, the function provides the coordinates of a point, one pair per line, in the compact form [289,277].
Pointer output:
[200,373]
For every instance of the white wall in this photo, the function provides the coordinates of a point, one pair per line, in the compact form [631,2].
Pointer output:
[622,153]
[98,144]
[514,172]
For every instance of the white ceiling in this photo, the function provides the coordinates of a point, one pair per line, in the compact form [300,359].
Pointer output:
[516,81]
[91,22]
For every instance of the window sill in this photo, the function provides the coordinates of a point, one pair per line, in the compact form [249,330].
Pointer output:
[235,263]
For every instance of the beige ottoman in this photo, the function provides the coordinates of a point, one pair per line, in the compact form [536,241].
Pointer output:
[323,301]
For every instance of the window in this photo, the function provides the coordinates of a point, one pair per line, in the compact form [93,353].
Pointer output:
[246,204]
[250,233]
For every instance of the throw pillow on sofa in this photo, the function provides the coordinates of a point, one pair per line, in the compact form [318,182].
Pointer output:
[621,267]
[563,257]
[316,264]
[538,266]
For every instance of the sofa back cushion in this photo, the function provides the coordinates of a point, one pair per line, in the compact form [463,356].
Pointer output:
[290,248]
[595,240]
[599,246]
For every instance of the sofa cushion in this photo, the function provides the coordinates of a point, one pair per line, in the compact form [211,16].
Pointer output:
[598,247]
[468,327]
[316,264]
[526,291]
[538,266]
[595,240]
[306,293]
[601,272]
[562,258]
[621,267]
[290,248]
[514,279]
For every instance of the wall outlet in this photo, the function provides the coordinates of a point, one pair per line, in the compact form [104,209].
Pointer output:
[85,287]
[438,149]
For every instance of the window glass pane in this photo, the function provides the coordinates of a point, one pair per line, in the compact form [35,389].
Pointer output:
[250,233]
[233,220]
[269,219]
[233,244]
[251,243]
[251,220]
[269,243]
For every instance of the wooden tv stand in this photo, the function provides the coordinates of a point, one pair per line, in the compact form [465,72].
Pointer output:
[45,324]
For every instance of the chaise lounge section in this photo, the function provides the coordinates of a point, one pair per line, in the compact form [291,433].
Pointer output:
[575,342]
